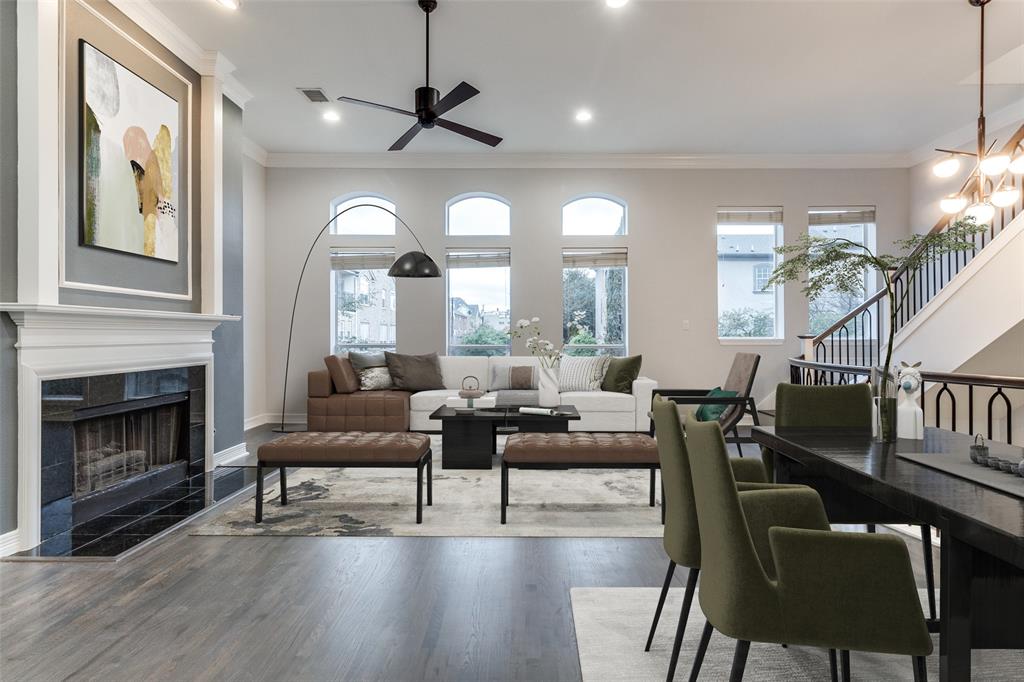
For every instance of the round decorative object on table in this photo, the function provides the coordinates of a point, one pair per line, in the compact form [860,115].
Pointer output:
[469,393]
[1020,469]
[979,451]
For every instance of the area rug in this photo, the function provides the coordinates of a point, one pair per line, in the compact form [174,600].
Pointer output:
[382,502]
[612,625]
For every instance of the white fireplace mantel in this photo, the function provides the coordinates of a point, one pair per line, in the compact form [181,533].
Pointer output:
[62,341]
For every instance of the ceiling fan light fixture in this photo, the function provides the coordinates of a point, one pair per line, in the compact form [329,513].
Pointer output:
[1005,196]
[953,204]
[946,168]
[995,164]
[982,212]
[331,116]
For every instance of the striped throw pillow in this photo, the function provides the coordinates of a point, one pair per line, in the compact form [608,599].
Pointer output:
[581,374]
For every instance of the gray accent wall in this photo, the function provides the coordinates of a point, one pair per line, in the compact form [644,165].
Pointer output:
[228,363]
[8,265]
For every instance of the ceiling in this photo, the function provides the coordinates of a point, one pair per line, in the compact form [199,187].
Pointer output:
[679,77]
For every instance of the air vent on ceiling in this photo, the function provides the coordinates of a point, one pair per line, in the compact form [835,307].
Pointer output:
[316,95]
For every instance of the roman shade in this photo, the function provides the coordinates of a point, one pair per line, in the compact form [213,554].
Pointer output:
[362,259]
[750,216]
[479,258]
[840,216]
[594,258]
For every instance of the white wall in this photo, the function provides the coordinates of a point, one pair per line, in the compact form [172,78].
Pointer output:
[671,241]
[254,317]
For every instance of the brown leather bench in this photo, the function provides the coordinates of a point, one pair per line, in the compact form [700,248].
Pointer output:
[578,450]
[369,449]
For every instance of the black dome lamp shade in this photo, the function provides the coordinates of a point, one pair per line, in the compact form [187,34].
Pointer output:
[412,264]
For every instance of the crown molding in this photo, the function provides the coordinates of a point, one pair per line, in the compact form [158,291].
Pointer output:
[205,62]
[609,161]
[254,151]
[1012,113]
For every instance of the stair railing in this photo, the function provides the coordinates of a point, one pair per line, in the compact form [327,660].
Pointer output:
[858,338]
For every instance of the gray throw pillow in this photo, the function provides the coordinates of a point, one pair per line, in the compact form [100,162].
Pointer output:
[415,372]
[362,360]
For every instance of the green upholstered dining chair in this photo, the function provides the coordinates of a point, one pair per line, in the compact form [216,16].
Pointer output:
[773,571]
[681,539]
[847,406]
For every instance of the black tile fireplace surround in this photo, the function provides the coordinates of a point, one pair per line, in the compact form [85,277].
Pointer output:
[117,449]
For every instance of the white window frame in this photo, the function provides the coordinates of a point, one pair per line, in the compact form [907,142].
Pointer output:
[596,195]
[333,342]
[624,346]
[503,349]
[337,202]
[779,316]
[476,195]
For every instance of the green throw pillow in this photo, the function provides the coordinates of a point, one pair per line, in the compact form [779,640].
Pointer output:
[710,412]
[621,373]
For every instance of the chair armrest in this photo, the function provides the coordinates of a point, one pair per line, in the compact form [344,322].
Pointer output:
[643,391]
[849,591]
[319,383]
[791,507]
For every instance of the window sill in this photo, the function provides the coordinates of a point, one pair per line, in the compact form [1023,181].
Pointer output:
[738,341]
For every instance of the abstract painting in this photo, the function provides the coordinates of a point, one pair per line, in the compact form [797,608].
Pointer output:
[130,150]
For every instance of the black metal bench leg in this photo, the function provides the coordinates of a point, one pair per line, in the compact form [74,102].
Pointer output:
[504,490]
[259,493]
[430,479]
[284,487]
[419,492]
[653,477]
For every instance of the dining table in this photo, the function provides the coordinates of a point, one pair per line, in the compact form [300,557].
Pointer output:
[980,527]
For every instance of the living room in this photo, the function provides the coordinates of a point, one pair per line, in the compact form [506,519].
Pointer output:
[728,286]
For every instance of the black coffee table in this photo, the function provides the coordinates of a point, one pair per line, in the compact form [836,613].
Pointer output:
[469,441]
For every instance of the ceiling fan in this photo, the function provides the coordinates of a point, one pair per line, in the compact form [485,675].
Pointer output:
[430,106]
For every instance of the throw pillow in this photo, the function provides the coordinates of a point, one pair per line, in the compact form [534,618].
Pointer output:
[581,373]
[362,361]
[621,374]
[415,372]
[343,376]
[710,412]
[513,377]
[375,379]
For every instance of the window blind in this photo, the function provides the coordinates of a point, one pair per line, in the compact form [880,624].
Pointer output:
[364,259]
[594,258]
[750,216]
[479,258]
[841,216]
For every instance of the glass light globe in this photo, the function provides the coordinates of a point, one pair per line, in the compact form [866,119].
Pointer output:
[1017,165]
[995,164]
[982,212]
[954,203]
[1005,196]
[947,167]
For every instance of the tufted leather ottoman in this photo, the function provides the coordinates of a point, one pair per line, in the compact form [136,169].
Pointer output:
[347,449]
[578,450]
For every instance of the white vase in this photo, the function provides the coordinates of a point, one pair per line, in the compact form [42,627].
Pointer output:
[547,393]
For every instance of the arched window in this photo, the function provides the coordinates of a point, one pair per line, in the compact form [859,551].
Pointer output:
[594,216]
[478,214]
[363,220]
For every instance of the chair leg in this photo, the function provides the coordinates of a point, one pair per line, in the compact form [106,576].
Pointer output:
[702,648]
[929,574]
[504,490]
[663,500]
[430,479]
[739,660]
[684,614]
[920,669]
[259,493]
[833,666]
[652,486]
[661,603]
[419,492]
[739,445]
[284,487]
[844,664]
[871,528]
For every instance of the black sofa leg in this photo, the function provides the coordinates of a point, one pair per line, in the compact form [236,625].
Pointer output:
[739,660]
[259,493]
[661,603]
[284,487]
[430,479]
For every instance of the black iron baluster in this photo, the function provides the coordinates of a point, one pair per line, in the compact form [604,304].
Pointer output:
[1009,415]
[970,409]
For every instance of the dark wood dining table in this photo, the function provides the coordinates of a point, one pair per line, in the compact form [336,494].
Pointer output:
[981,529]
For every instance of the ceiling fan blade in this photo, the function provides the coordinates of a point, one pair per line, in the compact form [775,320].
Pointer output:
[400,143]
[385,107]
[472,133]
[459,94]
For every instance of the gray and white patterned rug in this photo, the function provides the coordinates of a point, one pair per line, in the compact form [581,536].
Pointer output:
[612,625]
[382,502]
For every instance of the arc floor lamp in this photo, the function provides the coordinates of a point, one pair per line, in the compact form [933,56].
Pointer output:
[412,264]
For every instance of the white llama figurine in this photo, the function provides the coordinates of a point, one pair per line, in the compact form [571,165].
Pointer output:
[909,417]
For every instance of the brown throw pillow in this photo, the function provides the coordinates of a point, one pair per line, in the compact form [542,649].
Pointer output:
[521,378]
[343,376]
[415,372]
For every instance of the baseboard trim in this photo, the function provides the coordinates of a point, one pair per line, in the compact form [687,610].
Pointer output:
[9,543]
[273,418]
[226,455]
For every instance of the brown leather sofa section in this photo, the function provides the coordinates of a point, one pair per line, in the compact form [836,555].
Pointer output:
[359,411]
[347,448]
[581,448]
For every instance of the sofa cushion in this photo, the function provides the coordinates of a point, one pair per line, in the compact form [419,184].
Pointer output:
[581,373]
[599,401]
[454,368]
[415,372]
[343,375]
[360,411]
[428,401]
[621,374]
[513,377]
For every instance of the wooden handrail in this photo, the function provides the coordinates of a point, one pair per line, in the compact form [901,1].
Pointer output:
[993,380]
[969,188]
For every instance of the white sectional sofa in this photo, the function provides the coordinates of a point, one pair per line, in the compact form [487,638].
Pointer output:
[599,410]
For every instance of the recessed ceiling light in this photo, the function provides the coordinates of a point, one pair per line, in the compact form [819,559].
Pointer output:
[616,4]
[230,4]
[583,115]
[332,116]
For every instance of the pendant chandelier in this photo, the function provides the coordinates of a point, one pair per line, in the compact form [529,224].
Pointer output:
[992,171]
